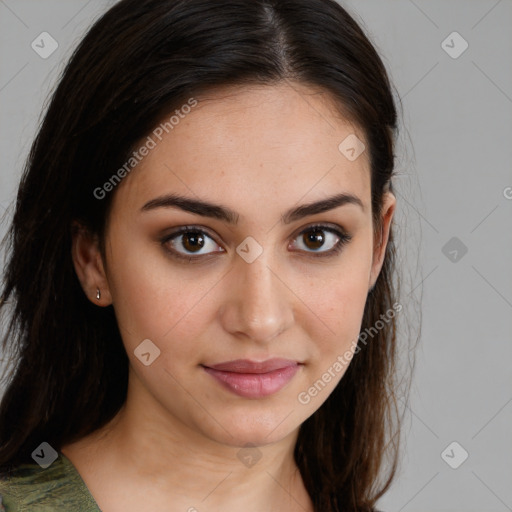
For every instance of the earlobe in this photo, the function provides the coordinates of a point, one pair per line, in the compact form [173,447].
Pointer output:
[381,242]
[89,266]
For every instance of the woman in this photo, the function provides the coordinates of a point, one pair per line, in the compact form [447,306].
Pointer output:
[201,286]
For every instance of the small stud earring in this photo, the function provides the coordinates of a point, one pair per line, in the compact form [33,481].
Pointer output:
[98,293]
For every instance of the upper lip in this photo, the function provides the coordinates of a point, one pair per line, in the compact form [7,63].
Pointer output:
[248,366]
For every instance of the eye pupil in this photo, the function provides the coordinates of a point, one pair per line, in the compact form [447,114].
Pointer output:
[316,237]
[193,241]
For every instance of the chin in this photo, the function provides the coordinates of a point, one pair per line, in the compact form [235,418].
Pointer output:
[254,429]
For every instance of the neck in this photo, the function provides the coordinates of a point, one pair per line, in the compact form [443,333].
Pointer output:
[151,451]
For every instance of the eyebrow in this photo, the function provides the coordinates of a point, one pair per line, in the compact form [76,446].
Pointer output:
[223,213]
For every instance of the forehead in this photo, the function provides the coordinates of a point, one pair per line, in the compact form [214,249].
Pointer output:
[253,144]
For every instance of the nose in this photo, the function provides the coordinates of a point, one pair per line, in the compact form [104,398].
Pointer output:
[258,304]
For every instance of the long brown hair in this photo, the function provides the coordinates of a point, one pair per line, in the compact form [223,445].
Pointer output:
[138,62]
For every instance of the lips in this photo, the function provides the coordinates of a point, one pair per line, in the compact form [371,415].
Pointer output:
[248,366]
[252,379]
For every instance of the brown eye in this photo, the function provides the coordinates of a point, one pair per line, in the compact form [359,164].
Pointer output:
[314,239]
[193,241]
[321,240]
[189,241]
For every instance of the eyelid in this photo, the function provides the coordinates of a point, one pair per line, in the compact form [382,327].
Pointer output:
[187,229]
[343,238]
[327,226]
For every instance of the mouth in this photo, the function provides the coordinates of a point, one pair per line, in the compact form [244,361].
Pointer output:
[253,379]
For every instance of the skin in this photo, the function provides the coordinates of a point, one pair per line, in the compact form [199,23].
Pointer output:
[260,151]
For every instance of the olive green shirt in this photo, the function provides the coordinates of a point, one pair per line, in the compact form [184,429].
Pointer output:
[30,488]
[59,487]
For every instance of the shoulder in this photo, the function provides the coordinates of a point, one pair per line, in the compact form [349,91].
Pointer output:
[30,488]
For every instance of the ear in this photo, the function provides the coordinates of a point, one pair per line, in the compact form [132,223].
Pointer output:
[381,240]
[89,265]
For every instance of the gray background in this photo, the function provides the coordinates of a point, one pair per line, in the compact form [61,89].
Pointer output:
[453,170]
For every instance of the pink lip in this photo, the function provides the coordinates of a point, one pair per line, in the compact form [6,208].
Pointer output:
[252,379]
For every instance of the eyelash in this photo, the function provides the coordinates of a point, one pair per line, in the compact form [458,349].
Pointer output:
[344,239]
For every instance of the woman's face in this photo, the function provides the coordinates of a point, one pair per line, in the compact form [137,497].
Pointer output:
[246,279]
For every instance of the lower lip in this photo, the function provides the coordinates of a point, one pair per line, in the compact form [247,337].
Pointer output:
[254,385]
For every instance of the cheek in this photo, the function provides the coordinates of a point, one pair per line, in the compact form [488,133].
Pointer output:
[338,307]
[156,300]
[345,305]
